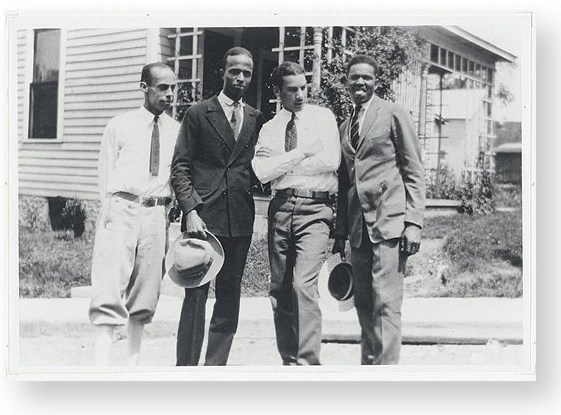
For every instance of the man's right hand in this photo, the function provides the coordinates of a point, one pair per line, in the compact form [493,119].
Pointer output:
[339,248]
[312,149]
[195,226]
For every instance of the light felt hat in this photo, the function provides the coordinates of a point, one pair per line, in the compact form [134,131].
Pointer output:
[335,284]
[192,262]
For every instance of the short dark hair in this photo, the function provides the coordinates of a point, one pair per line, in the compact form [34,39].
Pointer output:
[234,52]
[286,68]
[361,58]
[146,75]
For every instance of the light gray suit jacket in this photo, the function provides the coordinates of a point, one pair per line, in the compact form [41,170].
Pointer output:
[382,182]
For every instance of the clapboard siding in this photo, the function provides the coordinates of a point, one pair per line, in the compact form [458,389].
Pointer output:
[21,61]
[102,74]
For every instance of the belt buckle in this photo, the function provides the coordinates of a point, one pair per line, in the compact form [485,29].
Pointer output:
[148,201]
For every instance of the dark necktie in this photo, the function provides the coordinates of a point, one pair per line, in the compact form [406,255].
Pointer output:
[290,135]
[235,120]
[155,149]
[355,133]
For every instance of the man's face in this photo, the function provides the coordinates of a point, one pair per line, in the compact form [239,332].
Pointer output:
[236,76]
[293,93]
[361,82]
[158,96]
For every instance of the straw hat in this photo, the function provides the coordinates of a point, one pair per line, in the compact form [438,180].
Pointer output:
[192,262]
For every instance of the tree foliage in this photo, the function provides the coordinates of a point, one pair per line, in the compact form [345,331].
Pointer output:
[394,49]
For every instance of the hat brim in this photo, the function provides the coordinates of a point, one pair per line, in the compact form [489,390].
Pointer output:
[209,275]
[326,298]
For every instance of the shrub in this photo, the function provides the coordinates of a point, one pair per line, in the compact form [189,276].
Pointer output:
[509,195]
[446,183]
[33,213]
[478,196]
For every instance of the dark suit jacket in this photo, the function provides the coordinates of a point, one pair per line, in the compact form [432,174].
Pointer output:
[382,182]
[211,172]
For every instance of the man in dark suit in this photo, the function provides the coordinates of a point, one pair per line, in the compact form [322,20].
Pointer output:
[380,208]
[212,178]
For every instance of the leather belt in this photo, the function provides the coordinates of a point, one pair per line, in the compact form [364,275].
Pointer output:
[310,194]
[144,201]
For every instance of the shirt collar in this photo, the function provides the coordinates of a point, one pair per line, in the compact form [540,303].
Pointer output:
[147,115]
[288,114]
[367,104]
[225,100]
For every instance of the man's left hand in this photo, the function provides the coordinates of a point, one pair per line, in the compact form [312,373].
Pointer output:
[410,239]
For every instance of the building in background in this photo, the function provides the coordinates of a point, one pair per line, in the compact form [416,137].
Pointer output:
[72,81]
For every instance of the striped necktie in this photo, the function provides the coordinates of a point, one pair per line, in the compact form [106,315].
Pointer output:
[235,120]
[290,135]
[355,127]
[155,149]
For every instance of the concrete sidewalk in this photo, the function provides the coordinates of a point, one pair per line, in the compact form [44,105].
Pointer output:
[425,320]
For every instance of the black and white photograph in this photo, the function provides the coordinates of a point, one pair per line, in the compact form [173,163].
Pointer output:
[271,197]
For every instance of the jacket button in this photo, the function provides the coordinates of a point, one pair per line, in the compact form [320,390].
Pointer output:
[224,193]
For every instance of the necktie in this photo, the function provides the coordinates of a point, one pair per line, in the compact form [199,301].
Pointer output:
[355,134]
[155,149]
[290,135]
[235,120]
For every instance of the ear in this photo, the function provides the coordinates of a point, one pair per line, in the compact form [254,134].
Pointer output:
[276,91]
[221,72]
[143,86]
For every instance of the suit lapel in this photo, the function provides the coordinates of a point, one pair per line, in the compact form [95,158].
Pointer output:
[217,119]
[345,136]
[246,131]
[369,119]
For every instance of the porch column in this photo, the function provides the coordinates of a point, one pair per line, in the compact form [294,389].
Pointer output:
[152,45]
[316,65]
[422,127]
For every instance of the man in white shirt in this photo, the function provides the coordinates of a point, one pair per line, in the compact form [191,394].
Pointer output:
[131,231]
[298,151]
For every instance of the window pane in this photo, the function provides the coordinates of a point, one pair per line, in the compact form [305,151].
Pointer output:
[490,75]
[458,63]
[186,46]
[292,36]
[450,59]
[434,53]
[46,55]
[43,105]
[443,57]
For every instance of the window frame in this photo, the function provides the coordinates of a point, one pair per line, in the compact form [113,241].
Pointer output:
[30,46]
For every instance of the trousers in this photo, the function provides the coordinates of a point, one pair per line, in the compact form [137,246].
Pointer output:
[225,315]
[128,262]
[378,270]
[297,238]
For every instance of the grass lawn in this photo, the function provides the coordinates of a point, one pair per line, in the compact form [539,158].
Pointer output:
[462,256]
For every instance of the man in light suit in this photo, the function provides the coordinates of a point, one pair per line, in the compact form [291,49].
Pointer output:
[380,208]
[212,178]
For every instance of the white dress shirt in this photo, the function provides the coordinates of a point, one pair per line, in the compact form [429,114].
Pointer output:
[124,158]
[291,170]
[361,115]
[227,105]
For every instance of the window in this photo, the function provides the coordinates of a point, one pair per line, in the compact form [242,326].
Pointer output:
[43,91]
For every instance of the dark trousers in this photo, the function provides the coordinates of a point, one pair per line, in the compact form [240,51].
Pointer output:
[378,294]
[298,237]
[224,321]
